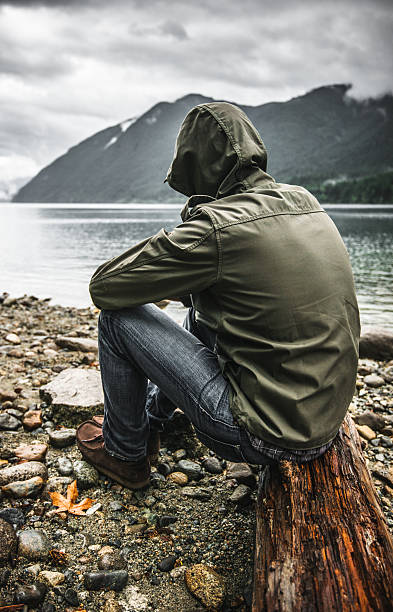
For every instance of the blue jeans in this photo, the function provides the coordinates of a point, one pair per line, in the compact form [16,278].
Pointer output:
[149,366]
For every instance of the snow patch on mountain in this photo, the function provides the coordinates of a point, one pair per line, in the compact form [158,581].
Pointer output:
[153,117]
[112,141]
[126,124]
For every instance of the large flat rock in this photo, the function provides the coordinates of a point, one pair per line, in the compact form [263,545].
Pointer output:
[376,343]
[75,394]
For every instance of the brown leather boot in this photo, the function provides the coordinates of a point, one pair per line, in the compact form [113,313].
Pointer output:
[130,474]
[153,443]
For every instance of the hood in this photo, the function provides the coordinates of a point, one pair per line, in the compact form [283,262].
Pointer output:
[218,152]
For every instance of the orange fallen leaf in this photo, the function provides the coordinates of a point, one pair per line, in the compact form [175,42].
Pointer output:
[67,504]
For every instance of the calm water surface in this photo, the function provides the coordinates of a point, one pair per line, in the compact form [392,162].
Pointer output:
[52,250]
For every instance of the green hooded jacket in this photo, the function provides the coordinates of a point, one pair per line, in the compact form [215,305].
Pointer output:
[268,272]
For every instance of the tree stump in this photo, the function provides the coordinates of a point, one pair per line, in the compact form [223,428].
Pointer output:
[322,543]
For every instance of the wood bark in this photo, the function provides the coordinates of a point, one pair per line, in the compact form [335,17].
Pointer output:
[322,543]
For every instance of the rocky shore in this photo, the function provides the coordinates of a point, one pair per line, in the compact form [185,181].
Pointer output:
[184,543]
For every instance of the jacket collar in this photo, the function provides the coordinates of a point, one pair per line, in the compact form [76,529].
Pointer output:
[193,201]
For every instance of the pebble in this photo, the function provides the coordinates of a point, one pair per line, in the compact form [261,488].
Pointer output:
[7,395]
[178,572]
[24,488]
[242,473]
[197,493]
[366,432]
[241,495]
[12,338]
[157,480]
[23,471]
[164,468]
[212,465]
[179,454]
[18,414]
[178,478]
[71,597]
[387,374]
[64,466]
[86,345]
[58,483]
[60,438]
[111,560]
[115,506]
[51,578]
[114,580]
[190,468]
[373,380]
[371,419]
[93,508]
[366,366]
[31,452]
[166,520]
[386,442]
[380,457]
[149,501]
[32,419]
[138,528]
[94,547]
[206,585]
[384,476]
[8,542]
[15,352]
[167,564]
[48,607]
[86,476]
[8,422]
[33,544]
[34,569]
[113,606]
[30,594]
[13,516]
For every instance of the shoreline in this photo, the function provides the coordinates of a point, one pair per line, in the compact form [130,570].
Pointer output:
[178,205]
[133,527]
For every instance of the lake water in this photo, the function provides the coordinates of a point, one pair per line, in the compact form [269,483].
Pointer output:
[52,250]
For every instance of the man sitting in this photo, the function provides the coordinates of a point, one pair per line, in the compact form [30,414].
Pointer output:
[265,365]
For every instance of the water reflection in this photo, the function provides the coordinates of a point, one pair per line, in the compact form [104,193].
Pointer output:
[52,251]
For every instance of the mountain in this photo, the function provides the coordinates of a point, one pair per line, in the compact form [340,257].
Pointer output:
[324,135]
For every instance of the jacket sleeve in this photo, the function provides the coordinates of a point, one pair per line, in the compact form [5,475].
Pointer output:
[167,264]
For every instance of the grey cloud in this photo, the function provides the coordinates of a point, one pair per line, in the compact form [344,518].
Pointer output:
[32,3]
[174,29]
[106,61]
[32,60]
[168,28]
[29,67]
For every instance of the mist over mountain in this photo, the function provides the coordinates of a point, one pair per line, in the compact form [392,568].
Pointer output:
[324,135]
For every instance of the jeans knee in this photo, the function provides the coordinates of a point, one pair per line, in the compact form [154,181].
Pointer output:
[105,321]
[111,321]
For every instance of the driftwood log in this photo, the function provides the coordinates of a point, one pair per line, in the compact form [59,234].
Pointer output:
[322,543]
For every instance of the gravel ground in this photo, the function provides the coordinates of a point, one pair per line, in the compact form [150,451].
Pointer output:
[202,514]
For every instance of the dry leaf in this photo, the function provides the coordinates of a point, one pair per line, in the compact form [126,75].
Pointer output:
[58,557]
[67,504]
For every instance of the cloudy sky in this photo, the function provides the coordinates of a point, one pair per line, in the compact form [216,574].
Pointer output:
[69,68]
